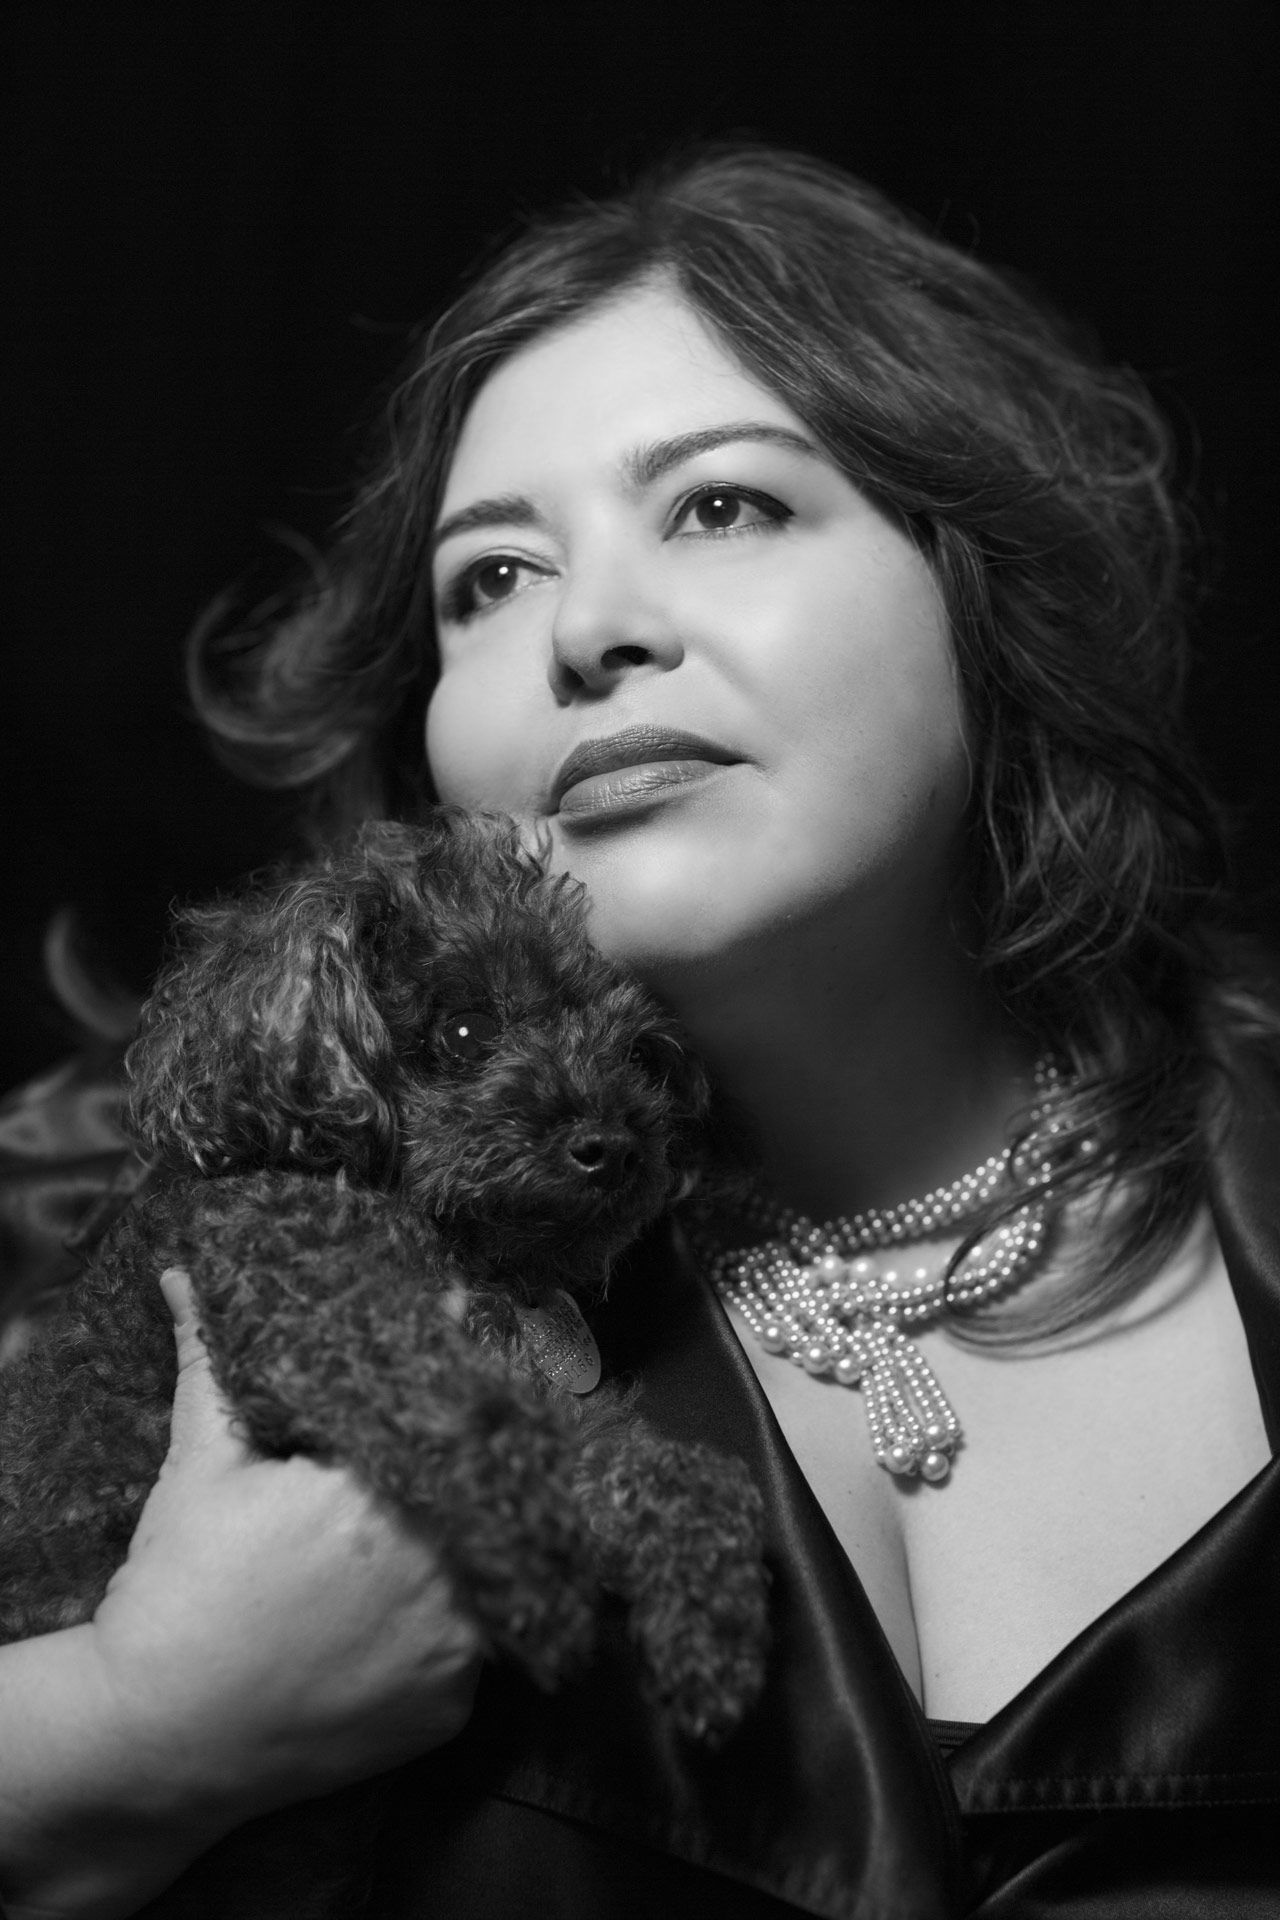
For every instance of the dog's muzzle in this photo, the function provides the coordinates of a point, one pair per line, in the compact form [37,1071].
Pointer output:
[608,1157]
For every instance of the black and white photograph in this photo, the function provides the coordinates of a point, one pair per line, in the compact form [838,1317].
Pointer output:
[640,1154]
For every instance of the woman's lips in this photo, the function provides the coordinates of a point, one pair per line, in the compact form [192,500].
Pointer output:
[626,789]
[622,772]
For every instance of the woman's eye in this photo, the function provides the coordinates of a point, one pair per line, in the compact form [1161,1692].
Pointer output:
[486,583]
[730,510]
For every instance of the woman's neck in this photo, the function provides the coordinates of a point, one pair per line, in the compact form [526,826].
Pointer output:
[864,1096]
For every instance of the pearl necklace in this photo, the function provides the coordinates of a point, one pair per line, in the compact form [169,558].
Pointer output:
[808,1291]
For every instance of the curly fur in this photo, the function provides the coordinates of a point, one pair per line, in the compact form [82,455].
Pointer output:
[366,1197]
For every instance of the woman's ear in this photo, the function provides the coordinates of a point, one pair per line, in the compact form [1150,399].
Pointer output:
[262,1044]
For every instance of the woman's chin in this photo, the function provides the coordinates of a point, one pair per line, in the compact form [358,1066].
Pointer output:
[686,931]
[691,894]
[655,925]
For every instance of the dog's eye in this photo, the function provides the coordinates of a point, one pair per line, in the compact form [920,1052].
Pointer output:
[467,1036]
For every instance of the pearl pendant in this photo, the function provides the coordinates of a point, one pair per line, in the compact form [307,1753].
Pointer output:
[811,1294]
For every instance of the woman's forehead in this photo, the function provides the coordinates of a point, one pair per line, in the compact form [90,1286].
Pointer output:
[595,393]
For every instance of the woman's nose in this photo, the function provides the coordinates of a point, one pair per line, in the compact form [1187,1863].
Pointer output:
[608,624]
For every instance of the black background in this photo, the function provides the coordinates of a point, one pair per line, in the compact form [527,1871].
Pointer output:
[219,222]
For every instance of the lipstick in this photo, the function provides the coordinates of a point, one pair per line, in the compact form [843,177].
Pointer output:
[629,770]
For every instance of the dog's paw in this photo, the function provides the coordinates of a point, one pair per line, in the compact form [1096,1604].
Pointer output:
[679,1535]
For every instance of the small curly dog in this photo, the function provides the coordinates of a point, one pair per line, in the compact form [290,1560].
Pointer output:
[395,1104]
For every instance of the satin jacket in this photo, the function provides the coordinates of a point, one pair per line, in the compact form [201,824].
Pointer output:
[1135,1778]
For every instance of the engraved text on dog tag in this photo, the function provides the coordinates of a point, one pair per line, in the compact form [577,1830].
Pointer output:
[561,1344]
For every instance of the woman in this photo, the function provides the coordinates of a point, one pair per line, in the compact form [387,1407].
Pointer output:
[790,579]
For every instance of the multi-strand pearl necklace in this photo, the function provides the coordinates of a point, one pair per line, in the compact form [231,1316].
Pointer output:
[810,1292]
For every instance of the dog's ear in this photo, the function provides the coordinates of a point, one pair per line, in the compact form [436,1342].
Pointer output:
[262,1044]
[664,1053]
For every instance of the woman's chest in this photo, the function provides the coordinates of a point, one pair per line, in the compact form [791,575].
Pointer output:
[1082,1469]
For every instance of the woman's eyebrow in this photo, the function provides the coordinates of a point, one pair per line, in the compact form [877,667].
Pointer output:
[640,469]
[504,510]
[649,463]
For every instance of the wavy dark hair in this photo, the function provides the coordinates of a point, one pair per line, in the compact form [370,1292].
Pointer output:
[1034,480]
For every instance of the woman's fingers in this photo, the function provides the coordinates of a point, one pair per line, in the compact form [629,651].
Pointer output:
[202,1423]
[175,1285]
[307,1629]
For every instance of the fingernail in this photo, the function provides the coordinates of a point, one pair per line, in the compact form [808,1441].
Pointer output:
[173,1284]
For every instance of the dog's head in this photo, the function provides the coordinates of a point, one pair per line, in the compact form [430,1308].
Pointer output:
[423,1009]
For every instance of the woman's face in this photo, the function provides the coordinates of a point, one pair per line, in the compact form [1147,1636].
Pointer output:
[677,637]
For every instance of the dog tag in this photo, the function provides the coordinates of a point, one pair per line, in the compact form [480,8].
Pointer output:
[561,1344]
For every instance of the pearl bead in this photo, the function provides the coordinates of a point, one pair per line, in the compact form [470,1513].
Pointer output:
[812,1294]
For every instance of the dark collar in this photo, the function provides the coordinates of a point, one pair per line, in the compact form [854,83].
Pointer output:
[1172,1696]
[832,1796]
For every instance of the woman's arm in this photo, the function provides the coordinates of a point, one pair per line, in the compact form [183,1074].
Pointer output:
[87,1825]
[273,1634]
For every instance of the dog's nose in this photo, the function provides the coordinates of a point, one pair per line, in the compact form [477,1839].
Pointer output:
[606,1155]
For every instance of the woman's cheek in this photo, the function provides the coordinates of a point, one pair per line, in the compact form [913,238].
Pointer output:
[457,745]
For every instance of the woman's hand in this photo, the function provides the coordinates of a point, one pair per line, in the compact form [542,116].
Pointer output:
[304,1632]
[274,1633]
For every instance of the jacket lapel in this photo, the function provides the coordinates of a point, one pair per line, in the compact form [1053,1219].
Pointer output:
[1172,1697]
[831,1796]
